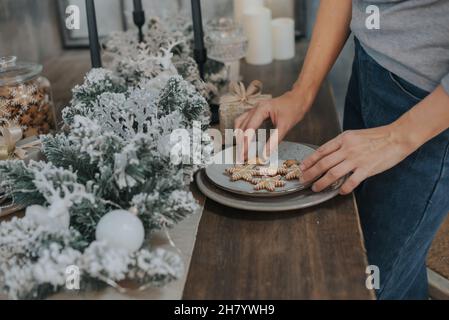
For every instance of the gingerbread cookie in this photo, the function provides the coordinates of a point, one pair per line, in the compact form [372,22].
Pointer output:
[244,172]
[290,169]
[289,163]
[294,172]
[269,184]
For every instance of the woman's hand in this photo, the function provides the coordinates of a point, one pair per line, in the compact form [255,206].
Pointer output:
[330,33]
[360,153]
[284,111]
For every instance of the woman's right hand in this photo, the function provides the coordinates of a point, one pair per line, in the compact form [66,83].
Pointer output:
[284,111]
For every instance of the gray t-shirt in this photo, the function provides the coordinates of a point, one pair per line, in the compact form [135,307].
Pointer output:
[412,41]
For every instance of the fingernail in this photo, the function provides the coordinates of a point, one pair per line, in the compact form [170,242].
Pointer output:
[302,166]
[314,188]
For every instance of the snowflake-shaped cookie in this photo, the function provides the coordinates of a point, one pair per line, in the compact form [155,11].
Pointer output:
[244,172]
[289,163]
[290,169]
[269,184]
[293,172]
[267,171]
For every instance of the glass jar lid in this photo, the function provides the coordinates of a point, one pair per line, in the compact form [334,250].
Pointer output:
[225,40]
[224,30]
[13,72]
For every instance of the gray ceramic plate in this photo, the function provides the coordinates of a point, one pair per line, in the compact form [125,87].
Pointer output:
[287,150]
[297,200]
[293,201]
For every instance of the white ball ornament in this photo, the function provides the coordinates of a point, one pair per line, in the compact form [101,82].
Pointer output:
[121,229]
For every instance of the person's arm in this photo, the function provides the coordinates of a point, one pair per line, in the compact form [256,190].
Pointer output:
[330,33]
[364,153]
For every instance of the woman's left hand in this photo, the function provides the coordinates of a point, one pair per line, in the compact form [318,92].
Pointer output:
[360,153]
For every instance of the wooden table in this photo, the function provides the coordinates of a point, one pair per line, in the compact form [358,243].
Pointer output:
[316,253]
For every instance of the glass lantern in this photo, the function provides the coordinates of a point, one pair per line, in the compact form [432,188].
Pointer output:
[25,97]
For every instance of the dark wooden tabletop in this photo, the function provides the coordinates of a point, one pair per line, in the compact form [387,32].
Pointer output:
[314,253]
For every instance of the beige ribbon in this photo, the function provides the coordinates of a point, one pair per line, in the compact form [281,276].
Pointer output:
[11,134]
[238,93]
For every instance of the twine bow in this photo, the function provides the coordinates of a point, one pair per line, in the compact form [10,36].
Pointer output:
[238,93]
[11,134]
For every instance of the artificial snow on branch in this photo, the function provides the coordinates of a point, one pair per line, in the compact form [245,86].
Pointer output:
[115,153]
[167,49]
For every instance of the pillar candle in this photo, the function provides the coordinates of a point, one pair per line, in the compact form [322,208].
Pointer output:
[257,27]
[240,6]
[281,8]
[283,31]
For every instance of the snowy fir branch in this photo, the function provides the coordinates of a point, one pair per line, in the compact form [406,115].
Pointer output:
[167,48]
[115,152]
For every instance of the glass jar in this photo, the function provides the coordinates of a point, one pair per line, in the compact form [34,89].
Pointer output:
[25,97]
[225,40]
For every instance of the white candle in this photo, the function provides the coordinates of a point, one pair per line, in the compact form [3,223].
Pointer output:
[240,6]
[283,30]
[257,27]
[281,8]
